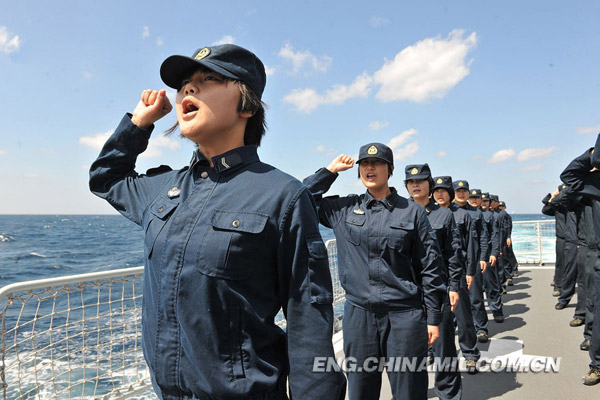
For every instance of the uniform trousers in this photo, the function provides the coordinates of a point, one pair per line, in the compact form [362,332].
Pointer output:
[391,335]
[467,335]
[559,267]
[595,339]
[489,281]
[590,262]
[447,377]
[570,273]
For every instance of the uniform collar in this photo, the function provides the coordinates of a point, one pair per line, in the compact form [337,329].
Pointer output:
[389,202]
[228,161]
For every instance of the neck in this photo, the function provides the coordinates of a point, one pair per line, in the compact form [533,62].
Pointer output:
[422,201]
[380,193]
[445,205]
[460,203]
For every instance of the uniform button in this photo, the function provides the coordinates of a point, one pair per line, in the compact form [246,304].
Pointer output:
[204,175]
[236,223]
[161,208]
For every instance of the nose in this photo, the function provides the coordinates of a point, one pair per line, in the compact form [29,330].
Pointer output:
[189,89]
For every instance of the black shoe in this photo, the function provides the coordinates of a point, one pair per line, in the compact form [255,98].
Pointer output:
[509,282]
[560,306]
[592,377]
[471,366]
[482,337]
[499,318]
[585,345]
[556,293]
[576,322]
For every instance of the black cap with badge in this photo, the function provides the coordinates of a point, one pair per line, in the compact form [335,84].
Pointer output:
[485,196]
[460,185]
[417,171]
[376,150]
[475,193]
[229,60]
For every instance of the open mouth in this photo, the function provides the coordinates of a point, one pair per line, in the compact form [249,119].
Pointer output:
[370,176]
[188,107]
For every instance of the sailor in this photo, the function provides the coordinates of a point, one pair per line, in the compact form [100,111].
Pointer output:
[391,269]
[508,260]
[418,183]
[229,241]
[443,194]
[480,249]
[498,224]
[590,263]
[560,215]
[490,280]
[487,278]
[582,180]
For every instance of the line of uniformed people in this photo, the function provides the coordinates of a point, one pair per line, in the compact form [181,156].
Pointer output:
[414,269]
[576,208]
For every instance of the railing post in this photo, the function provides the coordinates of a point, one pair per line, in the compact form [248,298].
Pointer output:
[540,244]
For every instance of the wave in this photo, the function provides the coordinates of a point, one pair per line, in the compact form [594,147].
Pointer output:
[33,253]
[6,238]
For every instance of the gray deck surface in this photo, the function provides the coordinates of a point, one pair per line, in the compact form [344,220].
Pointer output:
[535,327]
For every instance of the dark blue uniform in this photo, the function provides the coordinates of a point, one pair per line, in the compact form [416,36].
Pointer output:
[490,277]
[389,266]
[226,247]
[559,212]
[581,183]
[467,335]
[447,382]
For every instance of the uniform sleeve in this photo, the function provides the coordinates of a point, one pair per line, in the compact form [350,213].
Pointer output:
[494,240]
[306,296]
[509,225]
[547,209]
[472,259]
[113,176]
[427,264]
[453,254]
[328,208]
[484,240]
[595,157]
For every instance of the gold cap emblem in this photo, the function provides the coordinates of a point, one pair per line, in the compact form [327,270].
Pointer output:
[461,184]
[474,192]
[372,150]
[564,186]
[439,180]
[414,171]
[202,53]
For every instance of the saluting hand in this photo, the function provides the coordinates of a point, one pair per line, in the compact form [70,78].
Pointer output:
[153,105]
[341,163]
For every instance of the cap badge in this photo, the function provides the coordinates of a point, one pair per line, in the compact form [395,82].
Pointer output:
[461,184]
[414,171]
[372,150]
[474,192]
[174,192]
[564,186]
[358,211]
[202,53]
[439,181]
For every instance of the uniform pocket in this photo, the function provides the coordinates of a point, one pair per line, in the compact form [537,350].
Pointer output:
[236,338]
[232,244]
[321,289]
[354,225]
[156,218]
[400,234]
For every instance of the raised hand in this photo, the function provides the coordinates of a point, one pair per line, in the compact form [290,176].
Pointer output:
[152,106]
[341,163]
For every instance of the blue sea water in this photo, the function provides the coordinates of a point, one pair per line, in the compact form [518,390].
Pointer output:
[47,246]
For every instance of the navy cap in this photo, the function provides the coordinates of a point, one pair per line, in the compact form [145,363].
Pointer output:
[475,193]
[443,182]
[417,171]
[562,186]
[460,185]
[376,150]
[493,197]
[485,196]
[229,60]
[501,204]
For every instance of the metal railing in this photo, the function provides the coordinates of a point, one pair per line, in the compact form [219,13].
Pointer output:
[80,336]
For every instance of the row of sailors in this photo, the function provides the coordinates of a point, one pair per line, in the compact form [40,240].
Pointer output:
[388,264]
[576,208]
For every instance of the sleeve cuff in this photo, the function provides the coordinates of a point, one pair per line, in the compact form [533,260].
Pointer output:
[434,317]
[453,286]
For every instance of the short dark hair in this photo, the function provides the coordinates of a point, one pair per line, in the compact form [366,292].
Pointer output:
[249,102]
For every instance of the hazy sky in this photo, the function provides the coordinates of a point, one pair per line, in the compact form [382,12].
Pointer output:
[503,94]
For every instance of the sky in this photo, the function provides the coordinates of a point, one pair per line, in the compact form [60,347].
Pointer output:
[502,94]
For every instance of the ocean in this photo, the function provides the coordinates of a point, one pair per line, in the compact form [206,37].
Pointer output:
[47,246]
